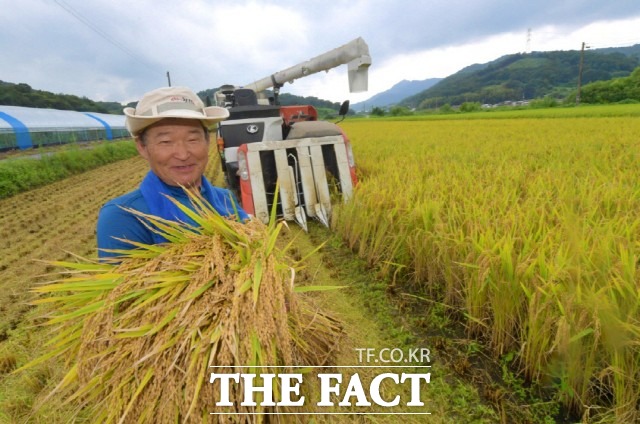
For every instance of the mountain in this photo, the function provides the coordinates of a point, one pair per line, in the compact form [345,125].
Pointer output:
[395,94]
[23,95]
[527,76]
[632,51]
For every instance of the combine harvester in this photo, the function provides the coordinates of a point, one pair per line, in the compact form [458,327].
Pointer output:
[263,143]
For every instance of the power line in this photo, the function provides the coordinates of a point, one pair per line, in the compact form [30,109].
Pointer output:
[100,32]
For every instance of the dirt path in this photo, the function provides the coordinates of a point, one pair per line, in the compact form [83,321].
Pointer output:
[47,223]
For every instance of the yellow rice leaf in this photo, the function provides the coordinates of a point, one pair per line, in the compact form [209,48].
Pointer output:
[313,252]
[147,377]
[70,377]
[581,334]
[92,388]
[273,237]
[67,335]
[201,290]
[87,286]
[166,320]
[215,336]
[196,393]
[272,216]
[256,353]
[97,267]
[89,309]
[51,354]
[148,297]
[141,331]
[245,286]
[83,296]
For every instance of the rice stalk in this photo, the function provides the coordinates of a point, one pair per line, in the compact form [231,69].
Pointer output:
[140,335]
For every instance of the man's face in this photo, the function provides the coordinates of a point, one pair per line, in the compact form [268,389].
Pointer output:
[177,151]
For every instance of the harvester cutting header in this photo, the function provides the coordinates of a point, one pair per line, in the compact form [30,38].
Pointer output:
[263,143]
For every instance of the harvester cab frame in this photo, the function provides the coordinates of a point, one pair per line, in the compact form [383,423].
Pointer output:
[266,147]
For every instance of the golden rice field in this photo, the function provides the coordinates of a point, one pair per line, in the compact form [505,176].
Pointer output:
[528,229]
[58,221]
[524,229]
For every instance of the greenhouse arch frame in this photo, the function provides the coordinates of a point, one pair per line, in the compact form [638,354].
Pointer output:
[26,128]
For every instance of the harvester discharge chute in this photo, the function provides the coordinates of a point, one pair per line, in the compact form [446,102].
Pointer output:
[263,144]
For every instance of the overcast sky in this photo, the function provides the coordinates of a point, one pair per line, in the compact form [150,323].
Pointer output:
[116,50]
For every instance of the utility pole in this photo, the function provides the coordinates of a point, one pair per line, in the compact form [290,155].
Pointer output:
[169,77]
[584,46]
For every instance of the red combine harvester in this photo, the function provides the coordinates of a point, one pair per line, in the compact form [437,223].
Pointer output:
[263,143]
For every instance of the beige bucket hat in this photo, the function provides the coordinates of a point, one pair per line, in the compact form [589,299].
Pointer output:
[171,102]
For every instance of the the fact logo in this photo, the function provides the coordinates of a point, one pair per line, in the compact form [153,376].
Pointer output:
[355,393]
[383,378]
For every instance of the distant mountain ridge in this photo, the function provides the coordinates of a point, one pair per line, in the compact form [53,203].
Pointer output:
[396,94]
[523,76]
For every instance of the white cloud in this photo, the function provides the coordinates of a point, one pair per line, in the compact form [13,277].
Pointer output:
[444,61]
[123,49]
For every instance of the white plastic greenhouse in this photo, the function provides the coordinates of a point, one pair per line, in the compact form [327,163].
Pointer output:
[25,127]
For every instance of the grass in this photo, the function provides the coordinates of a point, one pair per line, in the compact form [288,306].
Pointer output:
[19,174]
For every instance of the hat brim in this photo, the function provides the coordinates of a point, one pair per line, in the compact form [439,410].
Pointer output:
[137,123]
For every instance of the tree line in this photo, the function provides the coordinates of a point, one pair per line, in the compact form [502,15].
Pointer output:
[23,95]
[617,90]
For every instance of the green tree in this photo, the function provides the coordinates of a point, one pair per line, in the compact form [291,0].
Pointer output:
[611,91]
[24,95]
[470,107]
[446,108]
[377,111]
[545,102]
[400,111]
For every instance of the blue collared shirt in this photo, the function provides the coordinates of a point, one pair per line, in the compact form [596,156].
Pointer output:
[115,222]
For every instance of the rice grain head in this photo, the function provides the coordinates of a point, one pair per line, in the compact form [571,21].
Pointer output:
[141,344]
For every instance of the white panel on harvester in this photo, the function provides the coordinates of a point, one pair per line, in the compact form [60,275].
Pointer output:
[260,207]
[320,176]
[308,184]
[345,174]
[286,183]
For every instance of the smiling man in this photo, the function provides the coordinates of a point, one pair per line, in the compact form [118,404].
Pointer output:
[171,130]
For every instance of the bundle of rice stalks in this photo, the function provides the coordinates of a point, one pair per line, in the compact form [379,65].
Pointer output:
[140,336]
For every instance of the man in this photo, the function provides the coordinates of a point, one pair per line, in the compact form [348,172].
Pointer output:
[170,127]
